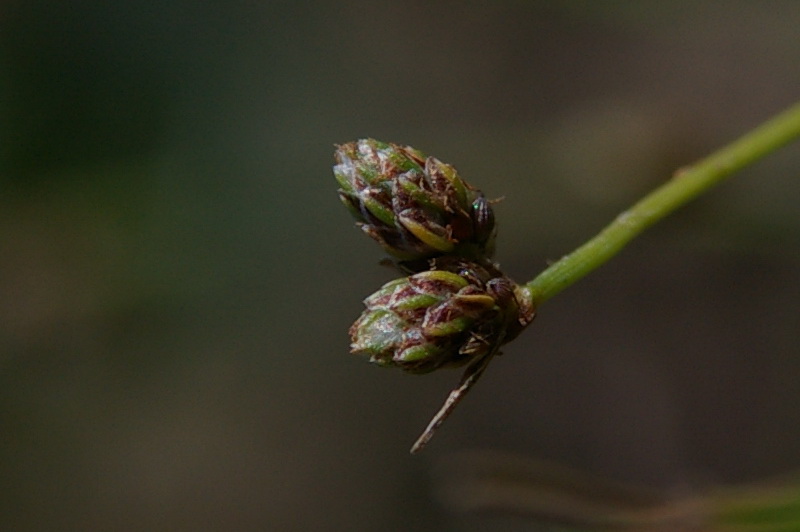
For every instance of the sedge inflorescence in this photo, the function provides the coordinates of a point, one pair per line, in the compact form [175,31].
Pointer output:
[454,306]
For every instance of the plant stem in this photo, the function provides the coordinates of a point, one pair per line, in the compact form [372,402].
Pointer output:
[685,185]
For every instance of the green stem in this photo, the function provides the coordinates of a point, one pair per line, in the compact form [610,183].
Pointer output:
[686,184]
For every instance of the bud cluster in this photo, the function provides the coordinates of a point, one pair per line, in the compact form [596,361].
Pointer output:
[415,207]
[440,317]
[456,307]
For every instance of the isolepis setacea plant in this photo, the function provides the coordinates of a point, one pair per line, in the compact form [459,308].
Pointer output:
[454,306]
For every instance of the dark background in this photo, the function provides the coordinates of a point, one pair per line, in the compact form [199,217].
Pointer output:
[177,275]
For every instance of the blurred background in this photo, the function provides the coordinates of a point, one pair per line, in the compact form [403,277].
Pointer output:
[177,275]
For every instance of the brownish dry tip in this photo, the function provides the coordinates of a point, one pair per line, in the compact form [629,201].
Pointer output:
[468,380]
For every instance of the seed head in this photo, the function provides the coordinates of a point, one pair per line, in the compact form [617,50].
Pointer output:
[455,313]
[415,207]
